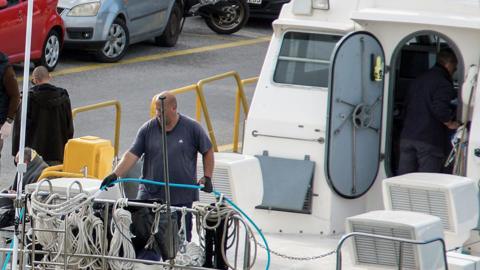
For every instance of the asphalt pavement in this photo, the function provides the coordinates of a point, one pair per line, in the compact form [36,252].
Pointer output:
[147,70]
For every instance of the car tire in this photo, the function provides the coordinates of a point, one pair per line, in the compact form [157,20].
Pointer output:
[171,33]
[50,51]
[116,44]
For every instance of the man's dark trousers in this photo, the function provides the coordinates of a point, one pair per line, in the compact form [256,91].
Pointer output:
[417,156]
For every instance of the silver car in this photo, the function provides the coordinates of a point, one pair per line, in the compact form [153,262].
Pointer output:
[107,27]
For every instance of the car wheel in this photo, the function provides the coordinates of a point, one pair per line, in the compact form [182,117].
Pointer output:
[50,51]
[116,44]
[170,35]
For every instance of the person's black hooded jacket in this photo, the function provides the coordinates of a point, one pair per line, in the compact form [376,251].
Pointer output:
[49,122]
[429,107]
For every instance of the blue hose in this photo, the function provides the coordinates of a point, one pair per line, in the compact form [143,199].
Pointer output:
[175,185]
[7,258]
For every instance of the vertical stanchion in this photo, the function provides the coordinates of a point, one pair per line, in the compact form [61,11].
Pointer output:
[21,168]
[105,235]
[32,225]
[166,179]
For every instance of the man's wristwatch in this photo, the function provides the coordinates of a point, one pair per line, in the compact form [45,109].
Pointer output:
[9,120]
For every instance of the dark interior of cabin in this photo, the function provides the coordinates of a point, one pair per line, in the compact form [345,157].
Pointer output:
[413,59]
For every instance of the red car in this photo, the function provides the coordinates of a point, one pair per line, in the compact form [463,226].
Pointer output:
[47,29]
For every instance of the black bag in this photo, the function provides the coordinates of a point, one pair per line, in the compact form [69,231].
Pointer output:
[142,220]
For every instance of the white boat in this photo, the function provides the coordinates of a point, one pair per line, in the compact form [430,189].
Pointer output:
[320,137]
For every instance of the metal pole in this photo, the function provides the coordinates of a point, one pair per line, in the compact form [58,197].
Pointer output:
[166,179]
[21,168]
[395,239]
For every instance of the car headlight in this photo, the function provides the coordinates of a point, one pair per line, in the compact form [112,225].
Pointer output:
[84,10]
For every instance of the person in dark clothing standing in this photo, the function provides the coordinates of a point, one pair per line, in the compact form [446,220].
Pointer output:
[49,119]
[429,117]
[9,98]
[185,139]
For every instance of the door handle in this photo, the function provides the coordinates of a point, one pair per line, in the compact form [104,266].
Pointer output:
[476,152]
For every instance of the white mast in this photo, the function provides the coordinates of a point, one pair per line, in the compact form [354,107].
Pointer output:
[21,168]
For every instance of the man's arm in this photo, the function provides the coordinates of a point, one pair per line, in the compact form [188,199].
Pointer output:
[11,88]
[441,108]
[208,163]
[125,164]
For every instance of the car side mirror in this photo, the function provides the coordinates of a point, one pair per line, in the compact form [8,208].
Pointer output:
[3,4]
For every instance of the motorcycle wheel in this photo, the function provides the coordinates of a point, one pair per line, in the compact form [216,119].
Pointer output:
[235,15]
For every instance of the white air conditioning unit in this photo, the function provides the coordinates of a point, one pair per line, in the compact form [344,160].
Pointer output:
[231,168]
[454,199]
[458,261]
[377,253]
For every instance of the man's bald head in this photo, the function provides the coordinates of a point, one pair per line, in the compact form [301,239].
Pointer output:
[171,115]
[40,75]
[170,99]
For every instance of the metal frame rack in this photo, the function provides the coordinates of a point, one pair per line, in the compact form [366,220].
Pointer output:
[28,252]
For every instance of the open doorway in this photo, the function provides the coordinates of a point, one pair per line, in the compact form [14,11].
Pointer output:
[413,56]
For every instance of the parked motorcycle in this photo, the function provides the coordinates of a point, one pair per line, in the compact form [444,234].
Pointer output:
[222,16]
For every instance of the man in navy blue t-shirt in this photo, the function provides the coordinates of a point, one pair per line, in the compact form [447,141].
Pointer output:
[185,139]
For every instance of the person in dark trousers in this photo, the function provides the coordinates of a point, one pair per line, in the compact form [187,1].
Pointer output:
[35,166]
[185,139]
[49,119]
[430,117]
[9,98]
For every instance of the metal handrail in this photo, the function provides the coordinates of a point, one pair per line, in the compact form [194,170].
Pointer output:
[181,90]
[200,85]
[396,239]
[240,96]
[201,105]
[118,112]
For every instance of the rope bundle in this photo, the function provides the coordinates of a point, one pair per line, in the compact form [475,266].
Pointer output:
[121,243]
[215,214]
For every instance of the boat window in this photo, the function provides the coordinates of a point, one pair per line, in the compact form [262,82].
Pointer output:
[304,59]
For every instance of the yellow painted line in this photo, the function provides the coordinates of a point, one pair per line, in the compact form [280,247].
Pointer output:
[212,36]
[159,56]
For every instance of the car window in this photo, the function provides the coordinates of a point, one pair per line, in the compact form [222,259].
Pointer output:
[304,59]
[12,2]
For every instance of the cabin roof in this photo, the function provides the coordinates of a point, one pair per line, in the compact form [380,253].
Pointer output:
[416,17]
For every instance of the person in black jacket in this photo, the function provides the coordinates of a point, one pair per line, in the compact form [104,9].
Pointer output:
[9,97]
[429,117]
[49,119]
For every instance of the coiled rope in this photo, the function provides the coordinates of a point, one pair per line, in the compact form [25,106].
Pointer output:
[121,237]
[218,194]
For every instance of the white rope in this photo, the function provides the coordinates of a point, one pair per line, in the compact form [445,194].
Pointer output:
[193,256]
[83,230]
[189,254]
[121,237]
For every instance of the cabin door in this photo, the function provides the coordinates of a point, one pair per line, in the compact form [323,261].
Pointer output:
[355,114]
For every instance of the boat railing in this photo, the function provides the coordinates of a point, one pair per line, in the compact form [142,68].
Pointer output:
[201,107]
[118,117]
[401,242]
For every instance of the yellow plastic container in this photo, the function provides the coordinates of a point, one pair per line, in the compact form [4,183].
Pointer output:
[90,152]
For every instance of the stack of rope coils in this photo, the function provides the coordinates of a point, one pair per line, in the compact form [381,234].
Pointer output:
[84,230]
